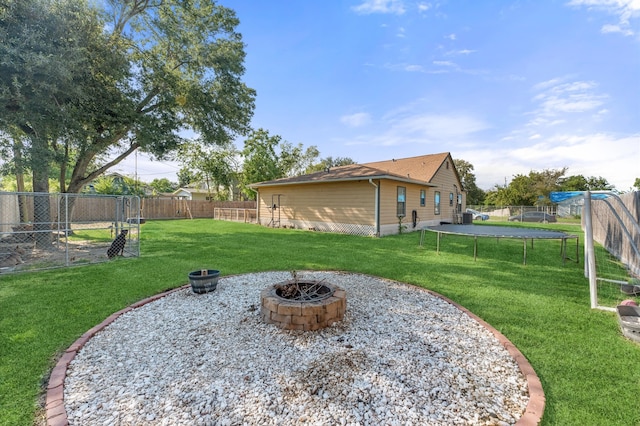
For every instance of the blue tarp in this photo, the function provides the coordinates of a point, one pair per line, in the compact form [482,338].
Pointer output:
[558,197]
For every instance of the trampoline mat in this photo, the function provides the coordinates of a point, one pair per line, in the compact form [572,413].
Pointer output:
[498,231]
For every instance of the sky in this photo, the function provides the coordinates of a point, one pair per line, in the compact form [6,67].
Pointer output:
[508,86]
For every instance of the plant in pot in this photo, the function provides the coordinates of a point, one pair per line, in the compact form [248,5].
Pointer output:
[204,280]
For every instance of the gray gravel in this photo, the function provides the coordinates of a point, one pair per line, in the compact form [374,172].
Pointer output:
[400,356]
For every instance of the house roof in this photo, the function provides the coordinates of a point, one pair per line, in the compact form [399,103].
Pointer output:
[190,191]
[423,167]
[419,170]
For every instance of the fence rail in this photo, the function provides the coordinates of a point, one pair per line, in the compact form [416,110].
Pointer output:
[164,208]
[503,213]
[235,214]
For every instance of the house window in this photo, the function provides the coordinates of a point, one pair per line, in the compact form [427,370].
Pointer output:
[436,202]
[423,198]
[451,199]
[402,197]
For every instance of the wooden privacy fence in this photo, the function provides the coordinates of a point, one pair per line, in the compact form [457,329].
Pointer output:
[164,208]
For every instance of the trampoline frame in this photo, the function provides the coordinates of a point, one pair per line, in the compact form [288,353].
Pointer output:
[505,232]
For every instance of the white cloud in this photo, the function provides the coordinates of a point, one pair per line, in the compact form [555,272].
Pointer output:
[558,98]
[613,157]
[625,10]
[356,120]
[460,52]
[450,36]
[423,7]
[414,68]
[444,63]
[609,28]
[406,128]
[380,6]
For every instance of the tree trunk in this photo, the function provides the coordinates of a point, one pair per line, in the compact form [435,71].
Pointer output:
[22,199]
[41,207]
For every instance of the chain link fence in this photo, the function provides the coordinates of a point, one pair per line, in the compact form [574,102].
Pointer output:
[43,231]
[516,213]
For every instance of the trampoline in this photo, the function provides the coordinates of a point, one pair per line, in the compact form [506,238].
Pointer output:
[498,232]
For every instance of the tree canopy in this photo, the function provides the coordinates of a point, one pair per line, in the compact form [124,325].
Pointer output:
[80,84]
[475,195]
[268,157]
[535,188]
[329,162]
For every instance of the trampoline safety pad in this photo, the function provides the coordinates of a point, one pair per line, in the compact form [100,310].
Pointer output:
[525,234]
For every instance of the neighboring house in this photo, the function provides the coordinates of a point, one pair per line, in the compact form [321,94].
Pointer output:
[200,192]
[191,194]
[373,199]
[196,192]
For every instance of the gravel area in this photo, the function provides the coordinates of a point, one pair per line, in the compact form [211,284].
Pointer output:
[401,356]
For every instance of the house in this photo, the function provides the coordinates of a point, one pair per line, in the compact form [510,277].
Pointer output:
[190,193]
[373,199]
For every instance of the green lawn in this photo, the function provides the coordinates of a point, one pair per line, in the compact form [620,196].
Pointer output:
[590,373]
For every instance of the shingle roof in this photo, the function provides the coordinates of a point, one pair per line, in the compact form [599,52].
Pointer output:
[415,169]
[423,167]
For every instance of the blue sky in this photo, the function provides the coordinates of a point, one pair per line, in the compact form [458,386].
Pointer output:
[509,86]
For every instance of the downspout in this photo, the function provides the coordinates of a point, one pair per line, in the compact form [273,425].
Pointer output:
[376,207]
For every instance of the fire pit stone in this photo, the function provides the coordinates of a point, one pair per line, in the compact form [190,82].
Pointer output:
[288,306]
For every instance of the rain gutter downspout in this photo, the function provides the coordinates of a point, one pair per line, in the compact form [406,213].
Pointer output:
[376,207]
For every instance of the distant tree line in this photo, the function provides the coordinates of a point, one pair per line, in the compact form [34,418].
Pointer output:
[529,190]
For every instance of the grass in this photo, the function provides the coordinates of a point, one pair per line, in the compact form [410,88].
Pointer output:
[588,370]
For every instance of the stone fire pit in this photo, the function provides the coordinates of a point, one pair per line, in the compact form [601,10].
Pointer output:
[300,304]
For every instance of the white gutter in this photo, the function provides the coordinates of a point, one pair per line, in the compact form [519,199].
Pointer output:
[376,207]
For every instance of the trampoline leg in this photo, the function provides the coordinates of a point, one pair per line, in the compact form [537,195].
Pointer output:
[438,244]
[475,248]
[524,255]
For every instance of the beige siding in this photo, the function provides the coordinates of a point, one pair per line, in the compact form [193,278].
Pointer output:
[343,203]
[389,223]
[447,183]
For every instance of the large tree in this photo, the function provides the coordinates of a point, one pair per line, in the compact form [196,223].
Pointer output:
[475,195]
[46,53]
[535,188]
[268,157]
[82,84]
[162,67]
[581,183]
[217,168]
[329,162]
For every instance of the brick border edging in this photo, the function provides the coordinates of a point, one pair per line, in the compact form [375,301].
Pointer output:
[56,415]
[535,407]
